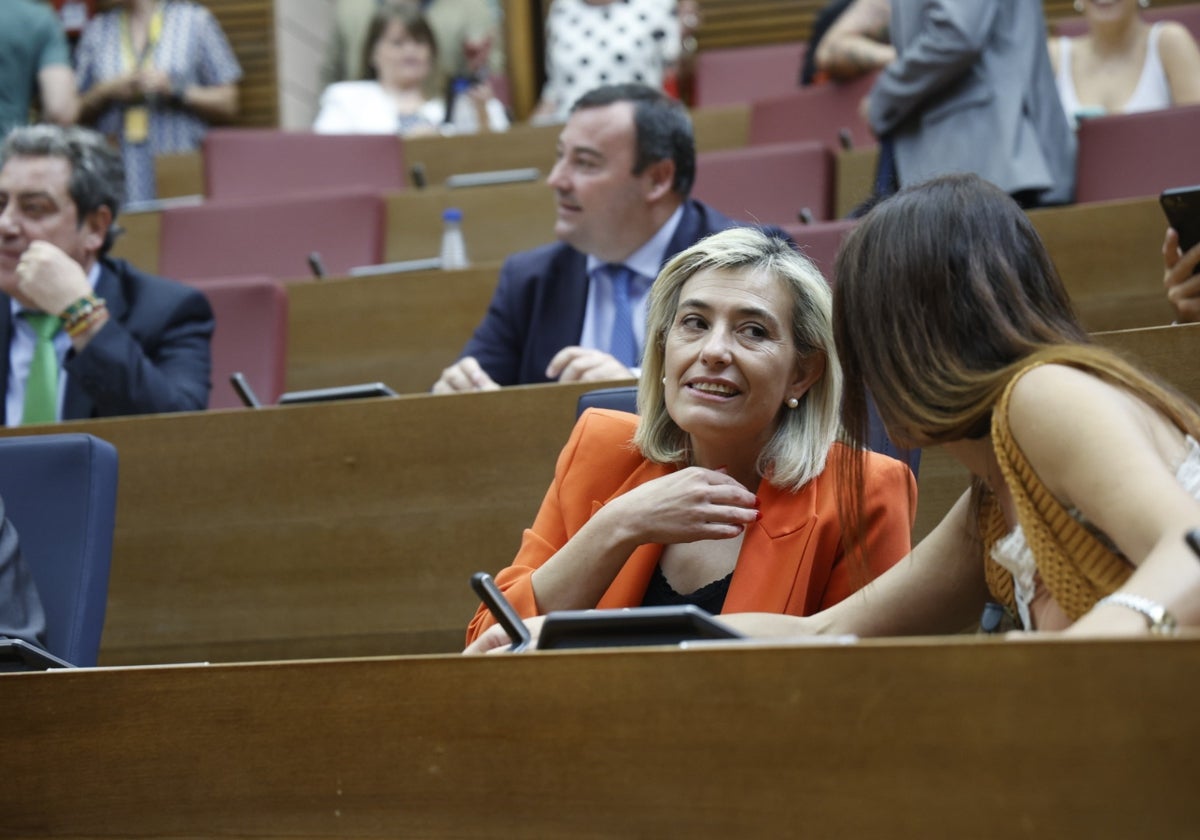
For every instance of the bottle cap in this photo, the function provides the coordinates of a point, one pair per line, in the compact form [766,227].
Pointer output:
[452,214]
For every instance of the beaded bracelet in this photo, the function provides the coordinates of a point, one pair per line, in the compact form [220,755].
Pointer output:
[85,321]
[79,315]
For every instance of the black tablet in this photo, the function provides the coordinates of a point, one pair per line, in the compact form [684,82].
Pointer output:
[631,626]
[343,392]
[20,655]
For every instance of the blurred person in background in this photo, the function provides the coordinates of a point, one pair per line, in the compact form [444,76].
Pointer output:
[468,33]
[152,76]
[1122,64]
[592,43]
[35,63]
[395,93]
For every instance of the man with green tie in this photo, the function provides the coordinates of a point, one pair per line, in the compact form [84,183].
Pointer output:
[85,335]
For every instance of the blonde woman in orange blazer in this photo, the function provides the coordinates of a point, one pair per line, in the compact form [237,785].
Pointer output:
[723,491]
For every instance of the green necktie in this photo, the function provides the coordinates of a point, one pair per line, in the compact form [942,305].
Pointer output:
[41,388]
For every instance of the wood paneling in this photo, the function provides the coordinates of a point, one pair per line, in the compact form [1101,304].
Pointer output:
[400,329]
[1109,255]
[347,528]
[952,738]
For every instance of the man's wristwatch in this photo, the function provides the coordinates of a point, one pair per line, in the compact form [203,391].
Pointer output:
[1158,618]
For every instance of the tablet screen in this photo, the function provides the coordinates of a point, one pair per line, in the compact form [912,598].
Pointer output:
[631,626]
[19,655]
[344,392]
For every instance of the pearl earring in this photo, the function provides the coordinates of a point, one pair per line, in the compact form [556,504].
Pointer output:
[792,402]
[1145,4]
[1079,6]
[664,380]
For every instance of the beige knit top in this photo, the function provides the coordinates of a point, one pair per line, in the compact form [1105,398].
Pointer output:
[1076,563]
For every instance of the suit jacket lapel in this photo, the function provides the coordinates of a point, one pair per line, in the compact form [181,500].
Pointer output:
[781,539]
[687,232]
[6,335]
[564,299]
[573,303]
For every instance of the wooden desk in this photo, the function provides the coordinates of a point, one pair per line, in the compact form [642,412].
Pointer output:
[1169,352]
[401,329]
[339,529]
[961,737]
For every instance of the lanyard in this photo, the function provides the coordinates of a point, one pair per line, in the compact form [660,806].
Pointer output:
[129,59]
[137,117]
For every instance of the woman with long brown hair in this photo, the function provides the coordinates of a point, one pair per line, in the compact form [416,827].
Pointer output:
[1086,470]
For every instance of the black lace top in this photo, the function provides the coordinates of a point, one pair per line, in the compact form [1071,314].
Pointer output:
[710,597]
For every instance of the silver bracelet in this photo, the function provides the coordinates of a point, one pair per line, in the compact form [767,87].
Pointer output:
[1159,619]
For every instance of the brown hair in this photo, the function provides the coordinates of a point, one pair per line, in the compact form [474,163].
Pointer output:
[410,17]
[944,293]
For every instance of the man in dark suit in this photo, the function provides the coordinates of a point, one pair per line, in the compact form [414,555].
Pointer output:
[85,335]
[21,613]
[574,310]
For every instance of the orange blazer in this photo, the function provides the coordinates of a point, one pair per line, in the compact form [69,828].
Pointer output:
[791,560]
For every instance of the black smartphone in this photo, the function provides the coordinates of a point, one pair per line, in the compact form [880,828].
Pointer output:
[1193,540]
[1181,205]
[503,611]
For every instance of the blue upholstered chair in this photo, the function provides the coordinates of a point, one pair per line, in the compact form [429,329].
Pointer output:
[624,398]
[60,492]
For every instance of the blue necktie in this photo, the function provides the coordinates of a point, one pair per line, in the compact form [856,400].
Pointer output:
[622,344]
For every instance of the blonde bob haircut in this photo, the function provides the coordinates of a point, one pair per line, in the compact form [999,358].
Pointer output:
[797,450]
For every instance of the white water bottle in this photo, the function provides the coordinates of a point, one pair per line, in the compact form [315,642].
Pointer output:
[454,246]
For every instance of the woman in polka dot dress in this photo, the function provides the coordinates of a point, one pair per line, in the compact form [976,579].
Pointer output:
[590,43]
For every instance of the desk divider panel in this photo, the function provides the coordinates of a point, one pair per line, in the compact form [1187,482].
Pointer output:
[401,329]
